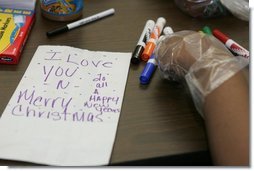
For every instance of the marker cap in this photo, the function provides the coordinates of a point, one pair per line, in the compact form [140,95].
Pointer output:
[135,59]
[150,24]
[167,30]
[222,37]
[57,31]
[207,30]
[147,73]
[161,21]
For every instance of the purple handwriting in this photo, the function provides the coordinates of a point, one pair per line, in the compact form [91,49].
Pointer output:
[67,72]
[100,81]
[33,99]
[31,103]
[101,108]
[74,59]
[94,63]
[30,112]
[104,99]
[102,103]
[62,84]
[58,72]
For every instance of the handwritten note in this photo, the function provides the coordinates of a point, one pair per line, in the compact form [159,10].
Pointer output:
[65,109]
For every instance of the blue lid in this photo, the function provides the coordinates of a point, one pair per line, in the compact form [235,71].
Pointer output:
[147,73]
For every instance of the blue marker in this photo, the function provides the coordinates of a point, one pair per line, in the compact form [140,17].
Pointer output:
[151,63]
[148,70]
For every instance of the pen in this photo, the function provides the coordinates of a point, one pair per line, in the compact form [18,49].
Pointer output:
[135,59]
[151,63]
[160,23]
[231,44]
[81,22]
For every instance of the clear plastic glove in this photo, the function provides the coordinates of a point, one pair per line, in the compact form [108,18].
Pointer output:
[202,60]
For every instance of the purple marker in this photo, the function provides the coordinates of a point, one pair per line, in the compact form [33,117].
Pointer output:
[151,63]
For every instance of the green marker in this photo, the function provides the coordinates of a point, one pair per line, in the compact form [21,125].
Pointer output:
[207,30]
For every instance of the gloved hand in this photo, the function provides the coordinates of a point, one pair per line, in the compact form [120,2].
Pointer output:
[202,60]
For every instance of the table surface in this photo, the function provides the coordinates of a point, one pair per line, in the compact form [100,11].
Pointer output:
[156,120]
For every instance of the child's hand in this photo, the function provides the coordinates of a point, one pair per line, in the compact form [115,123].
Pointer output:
[177,52]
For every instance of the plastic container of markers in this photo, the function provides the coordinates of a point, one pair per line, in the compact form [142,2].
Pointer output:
[202,8]
[62,10]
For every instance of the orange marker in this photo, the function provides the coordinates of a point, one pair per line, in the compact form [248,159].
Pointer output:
[150,46]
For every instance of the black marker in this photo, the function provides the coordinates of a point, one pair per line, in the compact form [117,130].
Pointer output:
[142,42]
